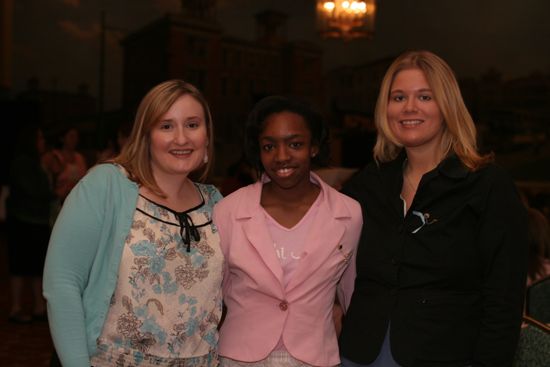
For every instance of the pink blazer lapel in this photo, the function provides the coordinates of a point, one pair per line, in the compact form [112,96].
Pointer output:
[258,235]
[255,228]
[325,236]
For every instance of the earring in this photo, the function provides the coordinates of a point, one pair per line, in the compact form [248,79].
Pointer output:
[205,160]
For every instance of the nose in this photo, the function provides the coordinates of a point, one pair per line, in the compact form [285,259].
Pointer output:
[281,154]
[410,105]
[180,136]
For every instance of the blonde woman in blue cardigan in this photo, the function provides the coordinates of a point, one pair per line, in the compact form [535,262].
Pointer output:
[134,267]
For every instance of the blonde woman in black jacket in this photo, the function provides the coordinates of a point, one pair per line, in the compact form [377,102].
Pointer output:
[442,259]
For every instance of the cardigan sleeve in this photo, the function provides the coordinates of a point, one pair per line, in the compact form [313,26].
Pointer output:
[503,247]
[73,244]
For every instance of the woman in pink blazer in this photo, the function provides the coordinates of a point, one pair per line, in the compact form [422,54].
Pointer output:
[289,242]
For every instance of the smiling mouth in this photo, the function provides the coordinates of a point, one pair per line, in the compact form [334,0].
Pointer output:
[410,122]
[181,153]
[284,172]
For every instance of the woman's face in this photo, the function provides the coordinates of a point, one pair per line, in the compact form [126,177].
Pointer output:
[413,114]
[179,140]
[286,149]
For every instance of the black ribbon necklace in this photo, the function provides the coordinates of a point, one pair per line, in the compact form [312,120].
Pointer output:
[187,229]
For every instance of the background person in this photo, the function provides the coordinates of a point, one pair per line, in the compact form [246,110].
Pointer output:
[539,246]
[134,268]
[442,259]
[114,145]
[68,167]
[72,164]
[28,213]
[289,242]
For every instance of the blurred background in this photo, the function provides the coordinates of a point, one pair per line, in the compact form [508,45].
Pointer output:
[85,65]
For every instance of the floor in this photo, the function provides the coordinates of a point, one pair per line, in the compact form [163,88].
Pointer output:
[20,345]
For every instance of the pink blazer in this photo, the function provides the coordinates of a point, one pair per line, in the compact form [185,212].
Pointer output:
[260,310]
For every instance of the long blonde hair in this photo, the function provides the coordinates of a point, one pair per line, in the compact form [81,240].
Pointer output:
[459,134]
[135,156]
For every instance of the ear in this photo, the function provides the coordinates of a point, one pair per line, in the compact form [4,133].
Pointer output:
[314,151]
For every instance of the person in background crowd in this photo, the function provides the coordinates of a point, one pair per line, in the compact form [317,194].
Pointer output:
[68,167]
[72,163]
[289,242]
[134,268]
[442,259]
[539,246]
[28,212]
[114,147]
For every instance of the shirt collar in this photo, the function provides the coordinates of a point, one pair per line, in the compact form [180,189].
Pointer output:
[453,167]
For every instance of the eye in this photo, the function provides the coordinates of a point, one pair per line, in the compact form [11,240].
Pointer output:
[425,97]
[296,144]
[193,124]
[397,98]
[267,147]
[165,125]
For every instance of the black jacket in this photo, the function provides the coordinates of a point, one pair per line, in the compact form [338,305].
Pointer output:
[449,275]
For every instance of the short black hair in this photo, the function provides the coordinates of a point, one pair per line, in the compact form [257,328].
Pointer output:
[275,104]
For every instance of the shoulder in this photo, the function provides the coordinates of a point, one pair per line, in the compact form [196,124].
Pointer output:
[498,191]
[209,192]
[104,171]
[339,202]
[356,184]
[237,198]
[227,210]
[104,186]
[494,176]
[336,195]
[106,177]
[493,171]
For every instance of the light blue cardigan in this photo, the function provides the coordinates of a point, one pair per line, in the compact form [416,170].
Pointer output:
[81,269]
[83,257]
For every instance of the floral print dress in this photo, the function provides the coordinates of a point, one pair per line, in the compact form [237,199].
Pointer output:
[167,303]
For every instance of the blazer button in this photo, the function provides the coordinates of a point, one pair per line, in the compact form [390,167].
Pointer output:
[283,306]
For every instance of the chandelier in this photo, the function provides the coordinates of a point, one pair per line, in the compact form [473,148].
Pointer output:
[346,19]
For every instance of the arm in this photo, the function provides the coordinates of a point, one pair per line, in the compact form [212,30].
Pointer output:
[219,217]
[71,252]
[503,245]
[346,284]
